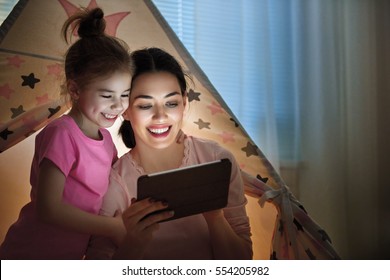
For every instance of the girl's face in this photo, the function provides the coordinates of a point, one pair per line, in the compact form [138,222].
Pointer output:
[102,101]
[156,109]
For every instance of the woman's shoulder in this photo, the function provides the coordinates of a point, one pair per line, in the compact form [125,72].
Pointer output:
[124,164]
[211,149]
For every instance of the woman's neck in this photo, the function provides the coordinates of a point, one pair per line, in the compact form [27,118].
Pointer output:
[157,160]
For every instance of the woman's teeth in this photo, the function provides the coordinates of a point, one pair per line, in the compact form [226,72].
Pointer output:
[158,130]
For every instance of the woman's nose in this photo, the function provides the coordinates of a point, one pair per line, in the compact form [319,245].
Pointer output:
[159,113]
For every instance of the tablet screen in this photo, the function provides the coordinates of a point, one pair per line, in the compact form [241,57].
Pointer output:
[189,190]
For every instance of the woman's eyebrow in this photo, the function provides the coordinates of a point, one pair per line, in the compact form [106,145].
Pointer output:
[172,94]
[144,96]
[110,91]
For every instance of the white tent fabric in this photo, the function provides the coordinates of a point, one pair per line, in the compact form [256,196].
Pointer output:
[31,53]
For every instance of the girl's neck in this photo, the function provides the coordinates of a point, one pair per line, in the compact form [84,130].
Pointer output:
[83,124]
[157,160]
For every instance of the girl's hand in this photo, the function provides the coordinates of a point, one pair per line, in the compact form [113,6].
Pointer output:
[119,229]
[140,228]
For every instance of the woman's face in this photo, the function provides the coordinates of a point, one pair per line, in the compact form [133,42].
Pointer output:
[156,109]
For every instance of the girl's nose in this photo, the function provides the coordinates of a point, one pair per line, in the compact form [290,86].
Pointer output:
[117,104]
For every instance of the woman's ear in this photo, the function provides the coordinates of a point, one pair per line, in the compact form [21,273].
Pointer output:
[185,103]
[73,90]
[185,99]
[125,115]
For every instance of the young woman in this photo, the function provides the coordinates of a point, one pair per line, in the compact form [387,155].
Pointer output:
[155,115]
[74,154]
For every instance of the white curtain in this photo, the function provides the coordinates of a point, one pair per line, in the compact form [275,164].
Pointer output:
[319,88]
[317,100]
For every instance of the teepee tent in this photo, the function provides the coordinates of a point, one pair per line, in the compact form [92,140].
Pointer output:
[31,55]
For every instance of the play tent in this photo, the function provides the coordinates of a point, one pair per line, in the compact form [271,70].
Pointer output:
[31,53]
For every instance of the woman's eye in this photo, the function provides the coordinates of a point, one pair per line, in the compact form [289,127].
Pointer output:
[171,104]
[144,107]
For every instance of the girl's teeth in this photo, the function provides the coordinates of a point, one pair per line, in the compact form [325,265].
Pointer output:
[159,130]
[108,116]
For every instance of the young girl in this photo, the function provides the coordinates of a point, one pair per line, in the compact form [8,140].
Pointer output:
[74,154]
[157,106]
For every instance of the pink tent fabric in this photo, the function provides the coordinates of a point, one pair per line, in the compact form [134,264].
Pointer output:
[31,74]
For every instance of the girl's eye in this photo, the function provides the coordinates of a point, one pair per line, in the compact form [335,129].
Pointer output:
[125,95]
[106,96]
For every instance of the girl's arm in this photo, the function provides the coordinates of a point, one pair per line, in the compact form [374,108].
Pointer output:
[51,209]
[226,244]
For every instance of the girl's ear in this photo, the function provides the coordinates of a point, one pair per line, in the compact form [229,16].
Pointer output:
[73,90]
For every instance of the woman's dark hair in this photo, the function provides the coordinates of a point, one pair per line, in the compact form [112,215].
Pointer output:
[95,54]
[151,60]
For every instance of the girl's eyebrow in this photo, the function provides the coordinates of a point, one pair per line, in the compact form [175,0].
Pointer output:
[144,96]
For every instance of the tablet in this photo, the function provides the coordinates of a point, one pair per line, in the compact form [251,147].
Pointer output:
[189,190]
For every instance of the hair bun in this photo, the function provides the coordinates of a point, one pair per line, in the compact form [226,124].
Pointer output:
[93,24]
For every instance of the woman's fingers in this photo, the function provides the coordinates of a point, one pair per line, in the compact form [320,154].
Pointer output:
[157,217]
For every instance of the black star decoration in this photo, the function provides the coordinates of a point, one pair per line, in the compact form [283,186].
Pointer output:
[53,111]
[30,80]
[192,95]
[235,122]
[264,180]
[324,235]
[4,134]
[250,150]
[17,111]
[303,208]
[281,227]
[201,124]
[310,254]
[298,225]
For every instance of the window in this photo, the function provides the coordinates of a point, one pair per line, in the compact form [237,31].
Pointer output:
[243,48]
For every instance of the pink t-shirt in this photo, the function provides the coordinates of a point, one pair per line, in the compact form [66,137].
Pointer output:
[185,238]
[86,164]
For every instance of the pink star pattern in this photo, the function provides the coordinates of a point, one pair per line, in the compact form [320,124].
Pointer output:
[42,99]
[215,108]
[227,136]
[112,21]
[6,91]
[55,70]
[15,61]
